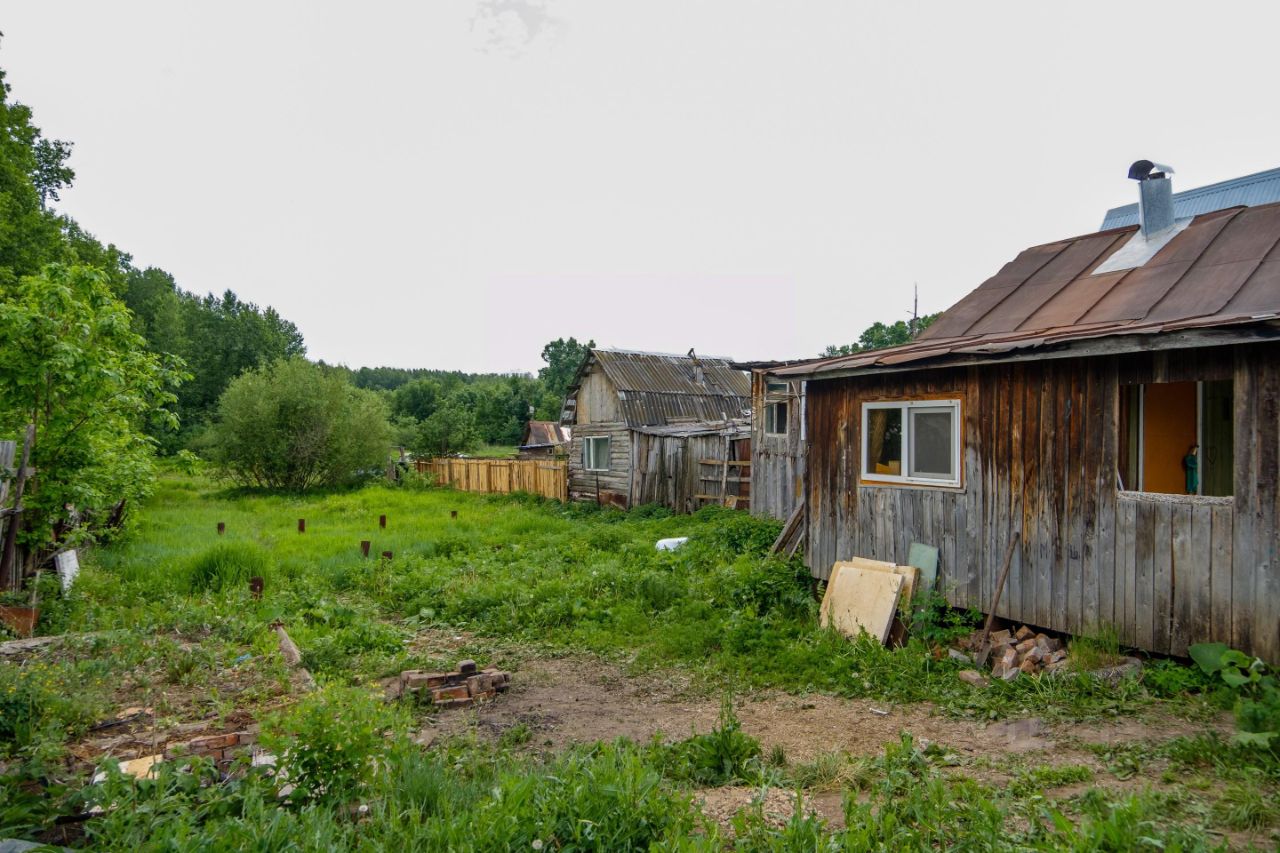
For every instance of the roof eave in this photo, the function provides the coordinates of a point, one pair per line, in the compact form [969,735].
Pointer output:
[1138,340]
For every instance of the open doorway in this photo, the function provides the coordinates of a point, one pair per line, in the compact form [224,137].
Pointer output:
[1177,438]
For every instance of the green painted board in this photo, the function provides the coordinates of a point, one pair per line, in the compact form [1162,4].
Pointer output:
[924,558]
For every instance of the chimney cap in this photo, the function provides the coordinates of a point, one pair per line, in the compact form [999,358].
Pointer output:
[1145,170]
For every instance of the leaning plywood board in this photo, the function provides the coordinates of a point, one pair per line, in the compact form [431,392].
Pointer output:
[909,574]
[861,599]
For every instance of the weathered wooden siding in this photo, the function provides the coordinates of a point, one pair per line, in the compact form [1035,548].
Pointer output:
[597,400]
[1040,458]
[777,461]
[668,470]
[546,477]
[583,483]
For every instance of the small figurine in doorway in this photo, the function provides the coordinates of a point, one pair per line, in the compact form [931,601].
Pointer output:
[1191,463]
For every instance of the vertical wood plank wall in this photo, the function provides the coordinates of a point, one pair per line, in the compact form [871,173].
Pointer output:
[777,461]
[667,469]
[546,477]
[1040,456]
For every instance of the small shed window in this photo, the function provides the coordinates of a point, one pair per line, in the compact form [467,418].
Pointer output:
[1177,438]
[595,453]
[775,410]
[912,442]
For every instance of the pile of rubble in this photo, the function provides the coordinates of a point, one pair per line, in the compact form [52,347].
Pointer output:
[463,686]
[1014,653]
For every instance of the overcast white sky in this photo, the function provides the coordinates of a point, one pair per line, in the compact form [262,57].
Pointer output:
[453,183]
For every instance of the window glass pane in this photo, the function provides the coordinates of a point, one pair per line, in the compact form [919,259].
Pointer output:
[931,438]
[595,453]
[884,442]
[775,418]
[776,387]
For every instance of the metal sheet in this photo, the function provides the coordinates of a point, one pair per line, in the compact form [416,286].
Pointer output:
[1211,274]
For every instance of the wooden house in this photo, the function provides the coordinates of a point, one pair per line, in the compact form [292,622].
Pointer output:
[544,440]
[777,440]
[1113,400]
[658,428]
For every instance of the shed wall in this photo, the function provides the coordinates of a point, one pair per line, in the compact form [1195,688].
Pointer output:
[582,483]
[1040,453]
[777,461]
[669,470]
[597,399]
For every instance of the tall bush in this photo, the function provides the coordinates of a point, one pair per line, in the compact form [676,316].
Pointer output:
[294,425]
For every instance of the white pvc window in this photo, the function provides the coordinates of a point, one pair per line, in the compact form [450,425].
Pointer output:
[912,442]
[595,453]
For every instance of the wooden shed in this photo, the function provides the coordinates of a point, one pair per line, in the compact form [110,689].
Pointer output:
[544,440]
[1114,399]
[658,428]
[777,440]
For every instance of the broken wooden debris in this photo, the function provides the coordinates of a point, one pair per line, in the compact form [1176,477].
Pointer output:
[463,686]
[293,657]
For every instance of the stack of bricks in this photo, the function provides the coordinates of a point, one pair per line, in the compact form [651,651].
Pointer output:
[1024,652]
[221,748]
[463,686]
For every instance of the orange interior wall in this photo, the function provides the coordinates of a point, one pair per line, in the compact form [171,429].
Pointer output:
[1169,430]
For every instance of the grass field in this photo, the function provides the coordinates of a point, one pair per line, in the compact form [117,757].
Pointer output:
[901,755]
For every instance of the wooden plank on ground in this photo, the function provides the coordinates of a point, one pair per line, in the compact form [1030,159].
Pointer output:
[861,599]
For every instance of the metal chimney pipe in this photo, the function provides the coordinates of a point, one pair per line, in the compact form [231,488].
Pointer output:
[1155,196]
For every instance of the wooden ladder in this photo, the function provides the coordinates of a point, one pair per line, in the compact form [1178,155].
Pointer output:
[724,479]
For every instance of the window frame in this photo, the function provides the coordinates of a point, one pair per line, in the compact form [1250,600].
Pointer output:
[905,407]
[590,441]
[776,402]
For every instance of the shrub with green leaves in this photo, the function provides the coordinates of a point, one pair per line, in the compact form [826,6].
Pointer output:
[723,756]
[330,743]
[295,425]
[1257,704]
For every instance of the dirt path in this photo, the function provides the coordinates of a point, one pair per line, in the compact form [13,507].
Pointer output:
[568,700]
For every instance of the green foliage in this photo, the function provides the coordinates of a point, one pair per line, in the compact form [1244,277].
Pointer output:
[879,335]
[330,743]
[1257,692]
[295,425]
[71,364]
[724,756]
[228,566]
[563,358]
[450,429]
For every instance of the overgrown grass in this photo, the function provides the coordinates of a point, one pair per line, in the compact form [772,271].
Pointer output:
[536,575]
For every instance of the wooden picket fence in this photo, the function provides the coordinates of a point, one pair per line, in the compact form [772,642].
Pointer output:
[546,477]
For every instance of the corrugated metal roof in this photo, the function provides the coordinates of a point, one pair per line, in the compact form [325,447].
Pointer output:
[1246,191]
[656,388]
[1222,270]
[544,434]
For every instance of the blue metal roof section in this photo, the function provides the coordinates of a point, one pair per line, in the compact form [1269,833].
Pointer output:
[1250,190]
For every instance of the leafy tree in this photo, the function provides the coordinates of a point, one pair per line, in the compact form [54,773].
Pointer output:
[71,364]
[294,425]
[416,399]
[450,429]
[563,358]
[30,236]
[223,337]
[879,335]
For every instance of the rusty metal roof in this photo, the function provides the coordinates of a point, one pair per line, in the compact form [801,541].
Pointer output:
[1222,270]
[544,434]
[657,388]
[1248,190]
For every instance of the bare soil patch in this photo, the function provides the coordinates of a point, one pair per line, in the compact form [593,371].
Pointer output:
[581,700]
